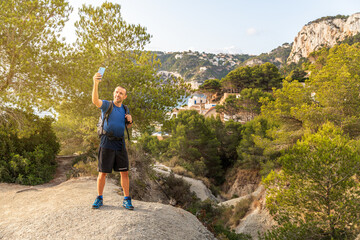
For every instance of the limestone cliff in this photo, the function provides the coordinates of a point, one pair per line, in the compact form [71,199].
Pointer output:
[327,32]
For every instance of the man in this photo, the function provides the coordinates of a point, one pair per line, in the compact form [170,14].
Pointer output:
[112,152]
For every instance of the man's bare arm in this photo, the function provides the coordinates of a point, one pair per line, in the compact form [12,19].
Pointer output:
[95,92]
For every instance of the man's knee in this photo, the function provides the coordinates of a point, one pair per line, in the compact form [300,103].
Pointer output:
[102,175]
[124,174]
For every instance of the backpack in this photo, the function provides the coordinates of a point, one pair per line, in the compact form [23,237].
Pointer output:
[100,124]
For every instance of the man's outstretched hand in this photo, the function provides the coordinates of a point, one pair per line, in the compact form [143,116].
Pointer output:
[97,78]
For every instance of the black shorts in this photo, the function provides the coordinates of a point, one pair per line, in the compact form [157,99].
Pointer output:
[109,159]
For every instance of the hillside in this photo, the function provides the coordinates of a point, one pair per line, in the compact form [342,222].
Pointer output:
[200,66]
[195,66]
[325,31]
[277,56]
[64,212]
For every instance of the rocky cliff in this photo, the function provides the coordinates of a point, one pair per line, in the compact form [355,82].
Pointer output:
[325,32]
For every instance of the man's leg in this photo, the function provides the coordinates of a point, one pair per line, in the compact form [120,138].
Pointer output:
[125,183]
[101,183]
[100,188]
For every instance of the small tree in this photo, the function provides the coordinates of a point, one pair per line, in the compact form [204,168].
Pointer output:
[192,140]
[318,187]
[210,87]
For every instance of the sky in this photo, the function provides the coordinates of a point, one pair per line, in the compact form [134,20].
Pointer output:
[220,26]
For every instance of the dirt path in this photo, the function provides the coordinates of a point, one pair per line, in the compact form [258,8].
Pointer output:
[64,166]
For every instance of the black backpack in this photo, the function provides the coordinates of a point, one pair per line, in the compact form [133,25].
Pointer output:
[100,124]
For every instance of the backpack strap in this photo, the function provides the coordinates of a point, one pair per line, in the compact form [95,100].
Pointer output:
[106,115]
[126,112]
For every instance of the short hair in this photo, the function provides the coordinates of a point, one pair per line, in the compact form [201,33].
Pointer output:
[122,88]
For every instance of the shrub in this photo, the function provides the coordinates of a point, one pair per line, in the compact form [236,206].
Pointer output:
[213,217]
[27,152]
[239,211]
[178,189]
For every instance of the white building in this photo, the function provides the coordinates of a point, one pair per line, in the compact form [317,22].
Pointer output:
[196,99]
[177,56]
[203,69]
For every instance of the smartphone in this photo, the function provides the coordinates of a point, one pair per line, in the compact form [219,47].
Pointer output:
[101,71]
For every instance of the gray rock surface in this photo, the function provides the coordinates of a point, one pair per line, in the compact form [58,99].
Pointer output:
[64,212]
[196,186]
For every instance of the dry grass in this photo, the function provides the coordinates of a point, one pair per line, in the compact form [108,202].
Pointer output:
[237,212]
[182,171]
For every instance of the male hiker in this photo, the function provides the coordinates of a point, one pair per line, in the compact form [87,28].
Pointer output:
[112,152]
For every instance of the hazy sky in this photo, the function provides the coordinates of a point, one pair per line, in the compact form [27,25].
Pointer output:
[229,26]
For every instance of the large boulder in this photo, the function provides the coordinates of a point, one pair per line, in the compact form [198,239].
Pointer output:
[64,212]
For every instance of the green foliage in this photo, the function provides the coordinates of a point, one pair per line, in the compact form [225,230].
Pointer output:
[318,185]
[292,231]
[246,107]
[212,216]
[298,74]
[32,57]
[277,56]
[178,189]
[28,153]
[265,77]
[231,107]
[351,39]
[229,135]
[211,85]
[256,149]
[192,140]
[152,145]
[310,105]
[189,63]
[105,39]
[295,68]
[240,210]
[329,18]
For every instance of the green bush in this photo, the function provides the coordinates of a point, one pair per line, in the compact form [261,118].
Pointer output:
[27,152]
[178,189]
[153,145]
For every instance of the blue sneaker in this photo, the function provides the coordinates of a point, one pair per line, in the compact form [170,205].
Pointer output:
[98,203]
[127,203]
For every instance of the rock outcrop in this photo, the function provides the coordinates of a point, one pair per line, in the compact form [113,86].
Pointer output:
[258,219]
[323,33]
[196,186]
[64,212]
[241,183]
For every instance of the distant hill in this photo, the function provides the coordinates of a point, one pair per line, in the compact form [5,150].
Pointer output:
[195,66]
[277,56]
[322,32]
[200,66]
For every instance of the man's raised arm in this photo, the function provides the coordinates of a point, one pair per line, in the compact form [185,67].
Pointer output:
[95,92]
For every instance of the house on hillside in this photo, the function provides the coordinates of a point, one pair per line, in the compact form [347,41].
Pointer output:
[196,102]
[196,99]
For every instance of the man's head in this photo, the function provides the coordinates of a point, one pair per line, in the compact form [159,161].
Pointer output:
[119,94]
